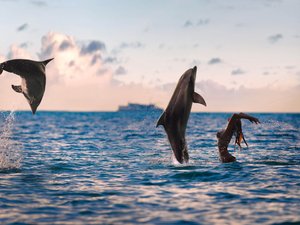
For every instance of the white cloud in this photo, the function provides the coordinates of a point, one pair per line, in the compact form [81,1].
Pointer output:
[16,52]
[275,38]
[120,71]
[39,3]
[214,61]
[188,23]
[70,66]
[73,82]
[264,99]
[86,82]
[22,27]
[237,72]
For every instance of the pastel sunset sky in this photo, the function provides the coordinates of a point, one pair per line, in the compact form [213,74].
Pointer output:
[111,52]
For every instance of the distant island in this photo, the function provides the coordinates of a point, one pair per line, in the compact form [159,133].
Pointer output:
[138,107]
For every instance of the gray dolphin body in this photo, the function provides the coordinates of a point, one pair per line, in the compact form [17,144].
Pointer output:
[174,119]
[33,79]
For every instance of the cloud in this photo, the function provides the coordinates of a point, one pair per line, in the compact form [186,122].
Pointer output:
[92,47]
[96,58]
[39,3]
[16,51]
[264,99]
[237,72]
[188,23]
[120,71]
[111,59]
[275,38]
[128,45]
[200,22]
[74,83]
[65,45]
[242,99]
[74,62]
[22,27]
[54,43]
[24,45]
[136,44]
[214,61]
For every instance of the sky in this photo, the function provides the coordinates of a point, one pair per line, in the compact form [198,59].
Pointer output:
[109,53]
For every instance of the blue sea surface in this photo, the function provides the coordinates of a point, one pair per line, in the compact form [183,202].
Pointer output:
[117,168]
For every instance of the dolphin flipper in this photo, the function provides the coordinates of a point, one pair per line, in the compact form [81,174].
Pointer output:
[17,89]
[161,120]
[198,99]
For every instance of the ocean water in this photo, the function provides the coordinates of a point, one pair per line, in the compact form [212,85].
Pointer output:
[117,168]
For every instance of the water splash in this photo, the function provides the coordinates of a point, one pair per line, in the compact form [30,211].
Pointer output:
[10,150]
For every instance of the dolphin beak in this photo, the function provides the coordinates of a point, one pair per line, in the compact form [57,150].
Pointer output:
[194,71]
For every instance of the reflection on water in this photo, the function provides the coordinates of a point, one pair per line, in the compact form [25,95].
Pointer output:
[116,168]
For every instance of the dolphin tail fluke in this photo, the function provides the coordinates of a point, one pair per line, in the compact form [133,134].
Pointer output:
[161,120]
[182,155]
[47,61]
[17,89]
[198,99]
[186,155]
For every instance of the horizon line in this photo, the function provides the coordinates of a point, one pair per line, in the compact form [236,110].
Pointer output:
[108,111]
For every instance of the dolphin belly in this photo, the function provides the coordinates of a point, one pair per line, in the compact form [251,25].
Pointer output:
[177,141]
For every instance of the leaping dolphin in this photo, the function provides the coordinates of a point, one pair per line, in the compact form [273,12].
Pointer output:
[33,79]
[174,119]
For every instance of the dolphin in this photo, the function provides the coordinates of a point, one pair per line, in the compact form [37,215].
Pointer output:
[174,119]
[33,79]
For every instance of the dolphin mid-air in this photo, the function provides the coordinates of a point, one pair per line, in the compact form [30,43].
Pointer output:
[33,79]
[175,117]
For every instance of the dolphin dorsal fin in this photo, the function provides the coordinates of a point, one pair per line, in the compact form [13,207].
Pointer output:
[17,88]
[45,62]
[198,99]
[161,120]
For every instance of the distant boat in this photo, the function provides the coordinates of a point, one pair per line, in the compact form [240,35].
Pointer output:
[138,107]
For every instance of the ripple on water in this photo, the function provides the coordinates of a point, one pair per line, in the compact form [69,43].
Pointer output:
[112,168]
